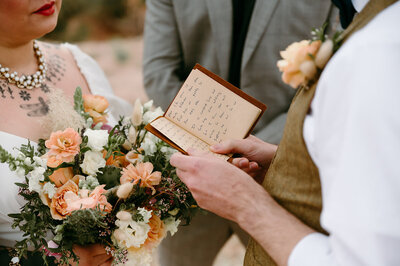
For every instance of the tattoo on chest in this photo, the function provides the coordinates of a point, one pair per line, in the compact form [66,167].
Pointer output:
[37,109]
[6,91]
[37,106]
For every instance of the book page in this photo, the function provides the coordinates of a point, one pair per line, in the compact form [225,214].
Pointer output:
[181,137]
[211,111]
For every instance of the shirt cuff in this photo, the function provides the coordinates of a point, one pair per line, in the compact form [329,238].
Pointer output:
[313,249]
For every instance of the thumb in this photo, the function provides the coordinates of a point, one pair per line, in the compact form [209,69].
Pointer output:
[197,153]
[241,146]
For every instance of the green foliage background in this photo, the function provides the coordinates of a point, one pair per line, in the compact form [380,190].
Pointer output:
[98,19]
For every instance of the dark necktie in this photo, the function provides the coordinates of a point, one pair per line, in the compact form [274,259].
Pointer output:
[347,11]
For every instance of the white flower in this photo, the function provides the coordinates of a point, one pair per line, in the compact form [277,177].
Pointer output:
[168,152]
[145,214]
[137,115]
[49,189]
[21,156]
[151,115]
[34,178]
[28,161]
[97,139]
[40,161]
[171,225]
[149,147]
[15,260]
[130,233]
[151,137]
[147,106]
[92,162]
[20,172]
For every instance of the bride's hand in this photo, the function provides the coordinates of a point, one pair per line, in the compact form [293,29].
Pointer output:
[92,255]
[256,155]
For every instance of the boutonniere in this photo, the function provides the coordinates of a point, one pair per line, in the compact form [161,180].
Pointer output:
[304,61]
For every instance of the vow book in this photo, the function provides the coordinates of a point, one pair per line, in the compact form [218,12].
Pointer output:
[207,110]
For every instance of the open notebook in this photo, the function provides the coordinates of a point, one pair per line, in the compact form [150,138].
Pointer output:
[207,110]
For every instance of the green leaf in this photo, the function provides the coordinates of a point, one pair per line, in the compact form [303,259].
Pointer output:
[78,103]
[110,176]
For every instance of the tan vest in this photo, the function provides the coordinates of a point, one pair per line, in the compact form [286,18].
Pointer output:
[293,179]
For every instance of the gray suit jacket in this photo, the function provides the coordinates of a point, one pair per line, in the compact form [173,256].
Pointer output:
[180,33]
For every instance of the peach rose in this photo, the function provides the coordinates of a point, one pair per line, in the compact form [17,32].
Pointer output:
[116,160]
[156,233]
[58,206]
[294,56]
[64,145]
[84,200]
[144,173]
[96,105]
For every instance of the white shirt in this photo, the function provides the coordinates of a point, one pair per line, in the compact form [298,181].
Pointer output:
[353,136]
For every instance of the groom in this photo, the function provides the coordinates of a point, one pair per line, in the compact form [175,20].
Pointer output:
[342,135]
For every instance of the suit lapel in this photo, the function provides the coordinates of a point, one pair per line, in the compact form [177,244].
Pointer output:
[220,12]
[262,14]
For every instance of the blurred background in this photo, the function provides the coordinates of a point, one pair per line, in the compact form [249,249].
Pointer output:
[111,32]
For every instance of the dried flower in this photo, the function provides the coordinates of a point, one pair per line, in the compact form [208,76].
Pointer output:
[137,115]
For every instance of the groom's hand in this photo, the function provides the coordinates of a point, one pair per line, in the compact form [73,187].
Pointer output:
[217,185]
[256,155]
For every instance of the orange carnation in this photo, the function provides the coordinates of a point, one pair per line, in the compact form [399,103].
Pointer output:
[144,173]
[116,160]
[64,145]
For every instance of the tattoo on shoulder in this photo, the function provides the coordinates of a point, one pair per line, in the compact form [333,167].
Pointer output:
[56,69]
[37,109]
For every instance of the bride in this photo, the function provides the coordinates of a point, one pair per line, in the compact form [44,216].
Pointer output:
[28,72]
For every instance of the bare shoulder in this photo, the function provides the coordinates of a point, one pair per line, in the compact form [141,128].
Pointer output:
[63,70]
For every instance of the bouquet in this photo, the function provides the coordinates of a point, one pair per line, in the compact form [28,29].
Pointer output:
[99,184]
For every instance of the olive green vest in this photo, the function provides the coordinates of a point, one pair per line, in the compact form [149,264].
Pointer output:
[293,179]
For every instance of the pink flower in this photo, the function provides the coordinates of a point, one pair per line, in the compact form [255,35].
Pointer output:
[298,66]
[52,244]
[64,145]
[84,200]
[144,173]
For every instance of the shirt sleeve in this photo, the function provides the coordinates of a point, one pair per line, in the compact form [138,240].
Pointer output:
[356,147]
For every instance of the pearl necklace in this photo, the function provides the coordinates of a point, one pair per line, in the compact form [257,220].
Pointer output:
[27,82]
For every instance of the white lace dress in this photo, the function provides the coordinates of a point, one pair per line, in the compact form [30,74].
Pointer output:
[10,202]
